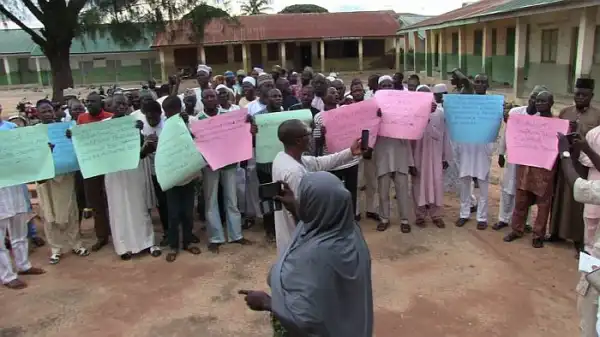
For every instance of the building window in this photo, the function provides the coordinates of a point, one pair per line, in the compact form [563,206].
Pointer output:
[455,43]
[511,38]
[494,41]
[597,45]
[549,45]
[478,42]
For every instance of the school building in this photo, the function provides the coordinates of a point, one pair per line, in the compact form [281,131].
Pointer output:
[521,43]
[328,42]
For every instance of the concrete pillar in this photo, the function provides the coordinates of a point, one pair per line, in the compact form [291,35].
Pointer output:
[202,54]
[323,56]
[282,51]
[38,68]
[429,52]
[360,55]
[520,54]
[230,54]
[245,57]
[264,56]
[462,49]
[163,67]
[405,53]
[442,54]
[486,54]
[7,70]
[585,44]
[397,46]
[418,49]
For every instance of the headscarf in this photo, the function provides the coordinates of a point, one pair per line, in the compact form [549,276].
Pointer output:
[249,79]
[384,78]
[324,276]
[204,68]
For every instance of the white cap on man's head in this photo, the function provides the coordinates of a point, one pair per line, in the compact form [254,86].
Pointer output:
[440,88]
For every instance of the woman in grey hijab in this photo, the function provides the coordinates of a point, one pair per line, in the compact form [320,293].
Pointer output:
[321,285]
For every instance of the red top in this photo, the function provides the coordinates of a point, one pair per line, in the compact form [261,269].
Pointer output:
[86,118]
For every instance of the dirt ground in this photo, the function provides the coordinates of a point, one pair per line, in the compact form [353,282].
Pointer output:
[453,282]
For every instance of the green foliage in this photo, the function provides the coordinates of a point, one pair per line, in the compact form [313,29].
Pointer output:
[254,7]
[304,8]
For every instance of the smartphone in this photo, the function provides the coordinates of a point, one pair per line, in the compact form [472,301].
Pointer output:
[269,190]
[571,136]
[364,140]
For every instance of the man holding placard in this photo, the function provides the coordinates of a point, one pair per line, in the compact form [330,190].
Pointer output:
[534,185]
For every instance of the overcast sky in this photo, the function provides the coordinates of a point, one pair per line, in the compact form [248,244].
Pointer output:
[426,7]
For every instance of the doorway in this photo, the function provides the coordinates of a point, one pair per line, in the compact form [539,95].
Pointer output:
[305,55]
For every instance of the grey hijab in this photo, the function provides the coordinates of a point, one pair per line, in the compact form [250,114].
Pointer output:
[321,285]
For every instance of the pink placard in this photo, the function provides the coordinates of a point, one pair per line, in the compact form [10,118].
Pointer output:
[532,141]
[404,113]
[223,139]
[345,124]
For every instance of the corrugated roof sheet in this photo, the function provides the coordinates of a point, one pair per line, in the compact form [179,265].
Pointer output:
[407,20]
[484,8]
[15,41]
[101,45]
[273,27]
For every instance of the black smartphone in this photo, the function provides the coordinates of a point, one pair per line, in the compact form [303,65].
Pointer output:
[364,140]
[267,193]
[571,136]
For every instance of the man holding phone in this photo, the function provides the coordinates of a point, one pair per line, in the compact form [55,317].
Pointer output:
[290,166]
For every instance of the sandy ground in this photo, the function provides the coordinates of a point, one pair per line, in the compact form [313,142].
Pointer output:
[432,282]
[453,282]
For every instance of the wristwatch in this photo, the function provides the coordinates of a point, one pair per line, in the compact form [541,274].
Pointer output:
[565,154]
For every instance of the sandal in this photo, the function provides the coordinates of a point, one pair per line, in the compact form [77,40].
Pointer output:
[155,251]
[127,256]
[81,251]
[512,236]
[439,223]
[243,242]
[193,250]
[420,222]
[382,226]
[32,271]
[54,258]
[171,256]
[214,247]
[16,284]
[405,228]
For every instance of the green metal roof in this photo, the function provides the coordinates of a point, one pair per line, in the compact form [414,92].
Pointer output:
[15,41]
[516,5]
[412,19]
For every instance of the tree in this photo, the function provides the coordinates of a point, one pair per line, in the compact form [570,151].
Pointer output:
[127,22]
[304,8]
[254,7]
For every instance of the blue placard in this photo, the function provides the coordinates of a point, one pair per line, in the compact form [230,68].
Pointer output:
[65,160]
[473,118]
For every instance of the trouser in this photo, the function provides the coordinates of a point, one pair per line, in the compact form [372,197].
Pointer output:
[587,306]
[180,205]
[507,207]
[370,179]
[401,186]
[17,230]
[433,210]
[225,177]
[95,194]
[523,201]
[349,176]
[80,194]
[591,235]
[62,236]
[163,209]
[269,218]
[465,198]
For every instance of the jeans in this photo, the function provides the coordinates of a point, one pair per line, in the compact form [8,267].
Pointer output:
[180,205]
[227,178]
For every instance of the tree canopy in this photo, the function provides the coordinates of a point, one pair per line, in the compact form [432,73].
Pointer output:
[254,7]
[127,22]
[304,8]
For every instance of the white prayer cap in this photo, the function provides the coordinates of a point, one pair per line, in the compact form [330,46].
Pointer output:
[384,78]
[334,75]
[294,73]
[423,88]
[440,88]
[330,78]
[259,70]
[349,96]
[249,79]
[204,68]
[223,86]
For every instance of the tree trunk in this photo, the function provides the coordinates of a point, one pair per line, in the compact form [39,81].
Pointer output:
[60,68]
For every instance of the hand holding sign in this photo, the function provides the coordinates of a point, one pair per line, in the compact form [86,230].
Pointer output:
[345,124]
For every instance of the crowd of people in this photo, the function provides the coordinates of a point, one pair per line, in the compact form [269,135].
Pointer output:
[322,228]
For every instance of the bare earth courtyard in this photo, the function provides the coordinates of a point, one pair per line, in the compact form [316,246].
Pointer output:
[453,282]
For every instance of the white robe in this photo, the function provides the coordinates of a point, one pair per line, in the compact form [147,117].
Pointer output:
[130,222]
[287,169]
[474,160]
[148,163]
